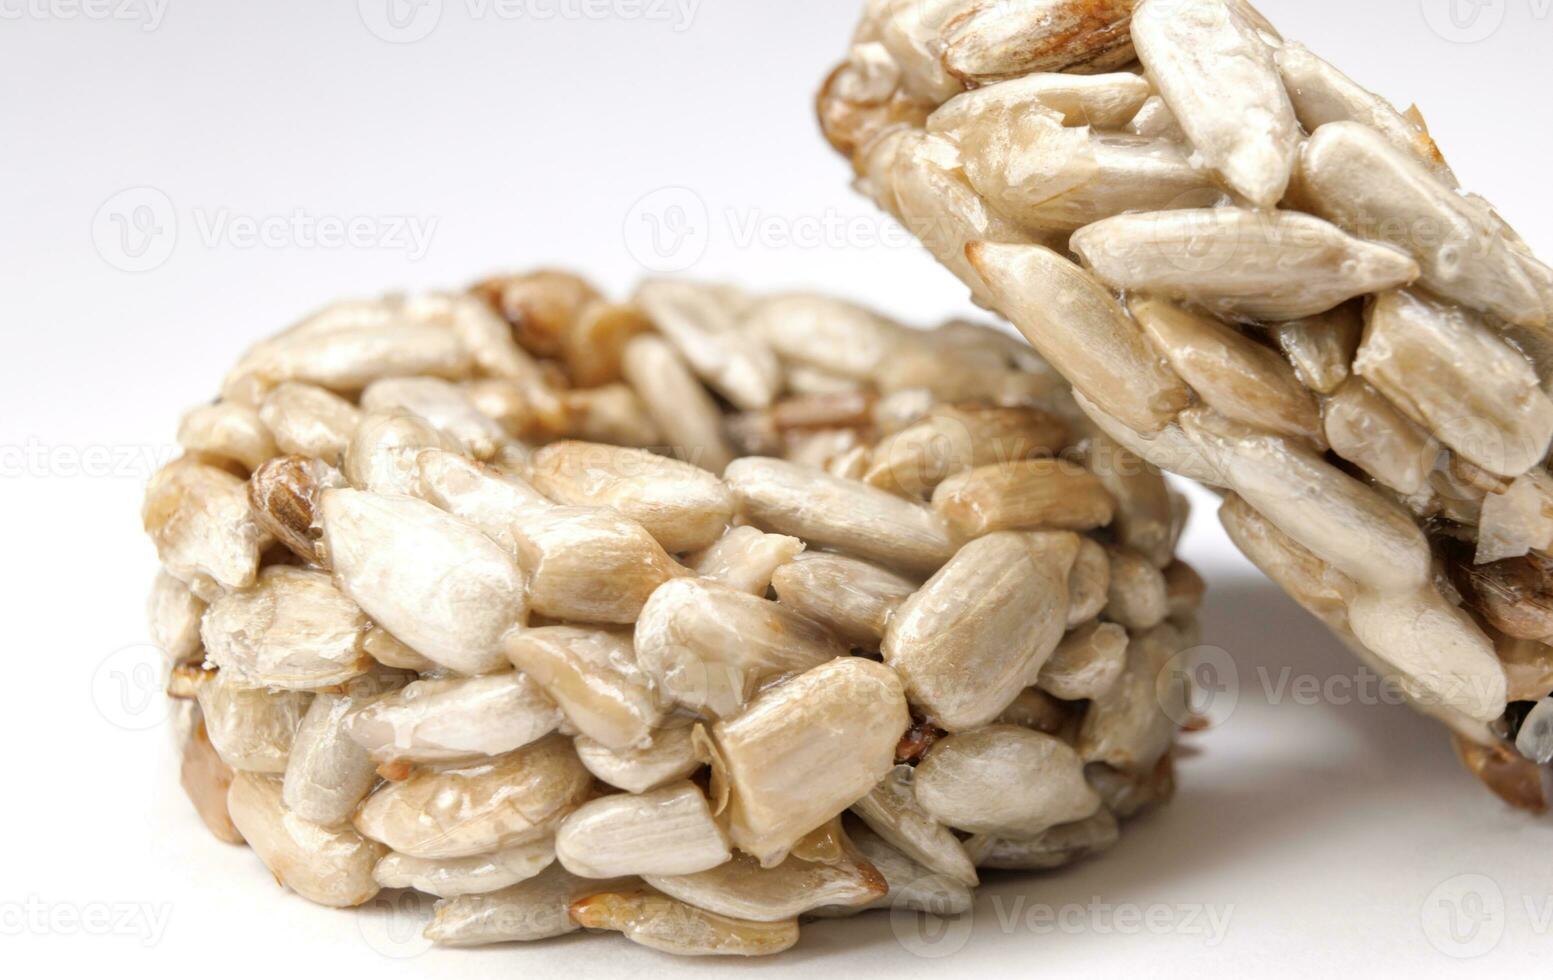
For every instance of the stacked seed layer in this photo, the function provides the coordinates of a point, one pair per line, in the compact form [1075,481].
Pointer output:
[882,607]
[1259,275]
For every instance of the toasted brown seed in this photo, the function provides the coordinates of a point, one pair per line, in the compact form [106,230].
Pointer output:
[978,632]
[308,421]
[453,813]
[205,778]
[709,646]
[826,511]
[851,598]
[443,720]
[1515,595]
[284,495]
[806,749]
[1003,780]
[659,922]
[1087,663]
[681,505]
[1512,778]
[1447,371]
[1077,325]
[542,306]
[1031,493]
[594,677]
[680,408]
[1271,265]
[1184,587]
[1239,377]
[593,347]
[668,831]
[327,865]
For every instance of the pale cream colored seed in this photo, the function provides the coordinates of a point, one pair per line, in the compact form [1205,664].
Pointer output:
[662,923]
[1035,493]
[745,558]
[680,409]
[1003,780]
[227,431]
[530,910]
[309,421]
[668,831]
[293,629]
[1087,663]
[1008,38]
[593,675]
[669,755]
[327,865]
[455,719]
[851,598]
[892,811]
[477,875]
[740,888]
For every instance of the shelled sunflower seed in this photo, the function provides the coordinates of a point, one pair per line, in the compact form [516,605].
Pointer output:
[576,614]
[1260,275]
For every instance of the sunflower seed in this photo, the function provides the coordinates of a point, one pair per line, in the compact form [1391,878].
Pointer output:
[1137,597]
[920,457]
[1519,520]
[911,886]
[1322,347]
[1338,518]
[1444,658]
[1238,377]
[1353,177]
[252,728]
[1321,94]
[173,615]
[1154,120]
[681,505]
[1131,726]
[455,720]
[1514,596]
[1216,72]
[1054,848]
[283,496]
[669,831]
[309,421]
[227,431]
[659,922]
[1075,323]
[892,811]
[830,512]
[1102,101]
[594,677]
[442,404]
[805,750]
[492,500]
[1003,780]
[327,774]
[669,755]
[840,338]
[704,325]
[851,598]
[745,559]
[541,306]
[997,39]
[910,32]
[1032,493]
[742,889]
[381,456]
[1087,663]
[709,646]
[1446,370]
[205,778]
[531,910]
[292,630]
[1318,587]
[1168,449]
[477,875]
[1535,740]
[327,865]
[433,581]
[501,803]
[1368,431]
[978,632]
[680,409]
[1265,265]
[197,515]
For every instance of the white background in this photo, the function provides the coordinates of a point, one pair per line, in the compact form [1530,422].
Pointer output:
[1333,836]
